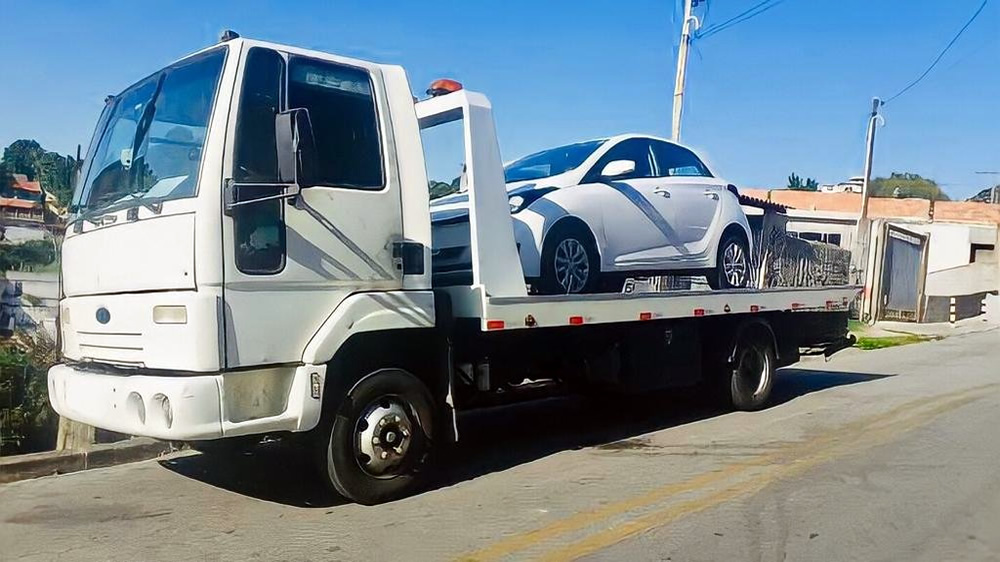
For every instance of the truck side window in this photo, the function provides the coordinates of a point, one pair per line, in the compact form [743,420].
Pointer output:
[341,106]
[259,228]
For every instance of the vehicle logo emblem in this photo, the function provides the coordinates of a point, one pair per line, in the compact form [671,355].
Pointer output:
[103,315]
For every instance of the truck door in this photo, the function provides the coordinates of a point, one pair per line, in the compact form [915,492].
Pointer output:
[288,263]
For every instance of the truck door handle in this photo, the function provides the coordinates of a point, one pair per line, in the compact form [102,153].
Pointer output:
[711,194]
[662,193]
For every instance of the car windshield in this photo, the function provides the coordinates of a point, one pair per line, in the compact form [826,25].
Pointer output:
[149,139]
[550,162]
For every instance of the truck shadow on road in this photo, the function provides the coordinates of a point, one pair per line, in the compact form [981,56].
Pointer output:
[497,439]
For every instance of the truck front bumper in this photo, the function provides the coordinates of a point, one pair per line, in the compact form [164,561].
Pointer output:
[191,407]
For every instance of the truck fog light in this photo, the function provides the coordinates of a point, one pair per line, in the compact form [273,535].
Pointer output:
[163,403]
[135,407]
[173,314]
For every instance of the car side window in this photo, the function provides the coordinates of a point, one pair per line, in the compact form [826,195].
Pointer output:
[673,160]
[341,105]
[636,150]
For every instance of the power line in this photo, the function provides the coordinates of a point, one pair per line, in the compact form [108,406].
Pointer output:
[941,54]
[743,16]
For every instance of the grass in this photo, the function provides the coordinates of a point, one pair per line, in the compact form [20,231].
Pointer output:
[870,343]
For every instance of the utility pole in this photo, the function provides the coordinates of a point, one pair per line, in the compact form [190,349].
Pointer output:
[682,56]
[859,255]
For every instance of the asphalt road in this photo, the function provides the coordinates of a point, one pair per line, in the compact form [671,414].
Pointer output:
[882,455]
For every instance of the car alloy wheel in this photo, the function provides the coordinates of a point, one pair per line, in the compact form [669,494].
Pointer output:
[734,264]
[572,266]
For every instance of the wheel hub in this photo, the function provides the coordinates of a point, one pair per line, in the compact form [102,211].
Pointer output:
[752,370]
[384,435]
[572,267]
[734,265]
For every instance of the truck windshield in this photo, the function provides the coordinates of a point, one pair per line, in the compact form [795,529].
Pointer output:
[550,162]
[149,140]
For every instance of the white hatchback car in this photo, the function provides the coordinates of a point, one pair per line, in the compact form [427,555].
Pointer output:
[588,215]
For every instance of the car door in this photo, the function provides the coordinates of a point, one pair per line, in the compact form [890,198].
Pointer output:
[693,192]
[286,266]
[638,217]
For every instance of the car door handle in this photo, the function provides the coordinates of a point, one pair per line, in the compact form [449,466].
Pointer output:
[711,194]
[662,193]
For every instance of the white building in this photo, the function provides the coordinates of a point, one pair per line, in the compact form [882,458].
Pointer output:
[852,185]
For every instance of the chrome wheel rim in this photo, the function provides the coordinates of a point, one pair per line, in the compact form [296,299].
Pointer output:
[572,265]
[734,265]
[383,437]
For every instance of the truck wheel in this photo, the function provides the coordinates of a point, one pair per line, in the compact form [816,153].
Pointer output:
[751,374]
[732,264]
[380,439]
[570,262]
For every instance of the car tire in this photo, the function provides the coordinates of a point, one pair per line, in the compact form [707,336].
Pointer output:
[732,263]
[570,251]
[378,445]
[750,375]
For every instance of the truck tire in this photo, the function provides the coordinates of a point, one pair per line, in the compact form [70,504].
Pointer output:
[376,447]
[750,375]
[570,261]
[732,263]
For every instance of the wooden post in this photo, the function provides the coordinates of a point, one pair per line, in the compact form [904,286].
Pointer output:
[74,436]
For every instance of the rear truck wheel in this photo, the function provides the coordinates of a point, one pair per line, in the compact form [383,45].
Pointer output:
[378,445]
[570,262]
[732,264]
[750,376]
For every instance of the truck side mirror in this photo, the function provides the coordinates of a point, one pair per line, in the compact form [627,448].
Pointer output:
[296,147]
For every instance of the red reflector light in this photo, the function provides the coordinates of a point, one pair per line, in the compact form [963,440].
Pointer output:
[830,305]
[645,316]
[494,324]
[754,308]
[575,320]
[443,86]
[699,312]
[796,305]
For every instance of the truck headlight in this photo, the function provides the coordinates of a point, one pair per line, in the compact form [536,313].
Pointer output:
[170,314]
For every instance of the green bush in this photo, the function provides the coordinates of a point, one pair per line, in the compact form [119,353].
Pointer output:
[27,421]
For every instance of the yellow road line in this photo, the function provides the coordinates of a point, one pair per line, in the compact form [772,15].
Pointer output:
[585,519]
[668,515]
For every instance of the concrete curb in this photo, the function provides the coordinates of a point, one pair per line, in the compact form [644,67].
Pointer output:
[34,465]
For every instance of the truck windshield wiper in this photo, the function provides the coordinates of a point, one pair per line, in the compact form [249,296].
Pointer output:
[141,130]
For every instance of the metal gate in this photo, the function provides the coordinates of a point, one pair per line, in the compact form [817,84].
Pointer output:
[903,272]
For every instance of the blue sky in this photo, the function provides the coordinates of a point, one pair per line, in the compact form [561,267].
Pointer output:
[786,91]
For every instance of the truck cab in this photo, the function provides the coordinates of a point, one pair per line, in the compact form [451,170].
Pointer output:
[196,250]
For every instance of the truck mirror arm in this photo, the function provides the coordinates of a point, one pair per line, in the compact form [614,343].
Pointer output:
[291,192]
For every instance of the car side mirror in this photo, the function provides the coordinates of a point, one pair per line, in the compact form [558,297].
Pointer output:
[296,148]
[618,168]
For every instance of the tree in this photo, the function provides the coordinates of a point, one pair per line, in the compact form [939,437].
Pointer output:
[53,171]
[440,189]
[22,156]
[795,182]
[907,185]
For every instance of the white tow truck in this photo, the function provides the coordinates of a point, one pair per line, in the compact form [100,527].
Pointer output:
[250,253]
